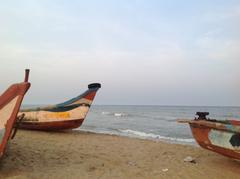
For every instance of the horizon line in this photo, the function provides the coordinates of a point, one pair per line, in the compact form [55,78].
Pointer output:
[163,105]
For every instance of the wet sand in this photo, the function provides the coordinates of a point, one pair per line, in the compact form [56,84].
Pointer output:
[88,155]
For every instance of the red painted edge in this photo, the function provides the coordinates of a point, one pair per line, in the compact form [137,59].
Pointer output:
[15,90]
[52,125]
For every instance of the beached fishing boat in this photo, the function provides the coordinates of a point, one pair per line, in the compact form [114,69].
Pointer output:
[221,136]
[10,102]
[67,115]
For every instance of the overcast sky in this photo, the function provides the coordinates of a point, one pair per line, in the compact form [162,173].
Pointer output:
[143,52]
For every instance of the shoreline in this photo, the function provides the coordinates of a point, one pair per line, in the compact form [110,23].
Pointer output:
[80,154]
[164,139]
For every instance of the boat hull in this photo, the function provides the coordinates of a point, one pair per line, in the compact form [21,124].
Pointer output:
[10,102]
[52,126]
[67,115]
[225,142]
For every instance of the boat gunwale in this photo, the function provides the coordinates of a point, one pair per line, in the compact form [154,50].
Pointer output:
[64,104]
[214,124]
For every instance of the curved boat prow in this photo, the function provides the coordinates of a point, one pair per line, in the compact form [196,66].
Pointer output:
[67,115]
[10,102]
[84,99]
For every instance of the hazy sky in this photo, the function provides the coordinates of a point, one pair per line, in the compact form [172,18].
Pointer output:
[143,52]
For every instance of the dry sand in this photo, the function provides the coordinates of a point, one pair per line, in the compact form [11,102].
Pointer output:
[87,155]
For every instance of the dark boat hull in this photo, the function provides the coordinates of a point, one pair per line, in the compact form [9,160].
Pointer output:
[51,126]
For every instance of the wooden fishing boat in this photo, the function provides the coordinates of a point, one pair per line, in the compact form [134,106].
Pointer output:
[67,115]
[221,136]
[10,102]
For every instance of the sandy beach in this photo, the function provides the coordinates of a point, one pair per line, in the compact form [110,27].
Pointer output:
[87,155]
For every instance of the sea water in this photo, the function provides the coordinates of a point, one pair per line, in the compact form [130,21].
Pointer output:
[151,122]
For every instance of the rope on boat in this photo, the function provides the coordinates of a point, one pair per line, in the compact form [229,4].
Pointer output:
[19,120]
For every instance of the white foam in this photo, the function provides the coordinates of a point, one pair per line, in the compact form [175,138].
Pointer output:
[154,136]
[105,113]
[119,114]
[114,114]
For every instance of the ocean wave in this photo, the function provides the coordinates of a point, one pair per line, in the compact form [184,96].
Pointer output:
[120,114]
[142,116]
[155,136]
[105,113]
[116,114]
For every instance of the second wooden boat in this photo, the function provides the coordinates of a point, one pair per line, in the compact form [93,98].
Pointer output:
[67,115]
[218,136]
